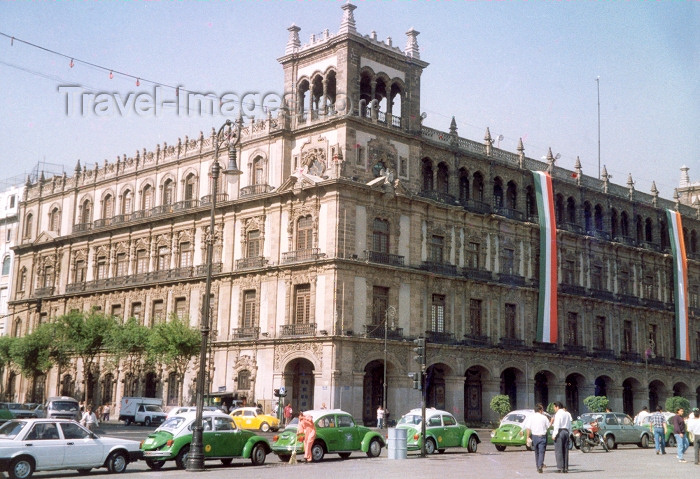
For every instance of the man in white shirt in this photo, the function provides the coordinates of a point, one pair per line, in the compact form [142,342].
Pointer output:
[536,428]
[561,428]
[694,427]
[639,418]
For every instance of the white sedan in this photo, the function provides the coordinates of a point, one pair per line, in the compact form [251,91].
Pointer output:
[28,445]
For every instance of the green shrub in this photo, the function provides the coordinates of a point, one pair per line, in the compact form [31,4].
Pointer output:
[675,402]
[596,403]
[500,404]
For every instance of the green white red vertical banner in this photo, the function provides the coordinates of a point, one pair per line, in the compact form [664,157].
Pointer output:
[547,304]
[680,278]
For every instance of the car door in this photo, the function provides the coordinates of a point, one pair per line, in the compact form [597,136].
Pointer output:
[46,445]
[208,437]
[628,432]
[452,431]
[348,436]
[227,440]
[82,449]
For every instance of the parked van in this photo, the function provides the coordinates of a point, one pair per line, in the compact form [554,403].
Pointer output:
[63,407]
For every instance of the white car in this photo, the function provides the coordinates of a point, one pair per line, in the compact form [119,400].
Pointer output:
[28,445]
[179,410]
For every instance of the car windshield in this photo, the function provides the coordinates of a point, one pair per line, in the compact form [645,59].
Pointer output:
[514,417]
[173,423]
[153,408]
[589,418]
[64,406]
[410,419]
[11,428]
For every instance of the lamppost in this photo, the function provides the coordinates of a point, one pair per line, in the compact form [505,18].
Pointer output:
[195,458]
[390,313]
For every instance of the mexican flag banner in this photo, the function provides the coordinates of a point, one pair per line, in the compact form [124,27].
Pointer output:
[547,305]
[680,278]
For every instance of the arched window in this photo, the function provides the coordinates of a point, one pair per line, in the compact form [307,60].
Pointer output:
[258,173]
[151,386]
[28,225]
[304,233]
[614,226]
[190,187]
[531,203]
[497,192]
[108,207]
[587,217]
[624,225]
[243,380]
[55,220]
[67,385]
[512,195]
[86,212]
[693,241]
[127,202]
[107,389]
[478,187]
[571,210]
[598,218]
[22,279]
[443,179]
[639,224]
[168,192]
[6,265]
[648,231]
[427,174]
[463,185]
[380,236]
[147,198]
[559,209]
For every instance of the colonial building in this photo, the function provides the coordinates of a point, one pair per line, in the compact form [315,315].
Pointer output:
[10,197]
[351,223]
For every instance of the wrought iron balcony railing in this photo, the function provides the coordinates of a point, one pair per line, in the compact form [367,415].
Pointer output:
[440,337]
[220,197]
[477,274]
[630,356]
[377,331]
[311,254]
[43,292]
[245,333]
[384,258]
[253,190]
[477,206]
[439,268]
[602,353]
[572,289]
[509,213]
[439,196]
[303,329]
[511,279]
[511,343]
[250,263]
[477,340]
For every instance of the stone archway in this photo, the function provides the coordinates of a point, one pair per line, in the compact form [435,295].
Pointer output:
[657,395]
[509,386]
[574,401]
[435,385]
[300,390]
[474,379]
[543,380]
[628,387]
[372,390]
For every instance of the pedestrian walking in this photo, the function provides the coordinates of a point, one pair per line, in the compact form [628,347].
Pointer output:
[639,418]
[680,433]
[287,414]
[694,428]
[89,419]
[561,428]
[536,428]
[380,417]
[657,424]
[105,413]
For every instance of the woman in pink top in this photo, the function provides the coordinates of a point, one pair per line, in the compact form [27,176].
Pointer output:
[306,426]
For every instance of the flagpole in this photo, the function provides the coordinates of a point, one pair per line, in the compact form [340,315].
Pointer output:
[597,80]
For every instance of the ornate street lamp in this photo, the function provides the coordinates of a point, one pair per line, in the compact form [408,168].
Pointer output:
[195,458]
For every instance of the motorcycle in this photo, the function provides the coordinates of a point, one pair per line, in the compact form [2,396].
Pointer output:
[588,436]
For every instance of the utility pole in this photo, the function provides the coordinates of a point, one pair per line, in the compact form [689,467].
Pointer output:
[420,351]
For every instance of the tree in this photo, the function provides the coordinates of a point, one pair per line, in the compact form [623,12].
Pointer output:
[6,359]
[32,354]
[174,343]
[128,344]
[85,335]
[500,404]
[596,403]
[675,402]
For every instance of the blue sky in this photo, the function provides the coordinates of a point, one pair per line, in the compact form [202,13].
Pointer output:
[523,68]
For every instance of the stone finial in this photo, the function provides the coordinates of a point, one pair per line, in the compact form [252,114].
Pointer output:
[347,25]
[550,160]
[676,198]
[453,126]
[654,193]
[578,170]
[293,43]
[630,185]
[412,50]
[389,41]
[77,168]
[606,179]
[685,178]
[488,141]
[521,152]
[28,183]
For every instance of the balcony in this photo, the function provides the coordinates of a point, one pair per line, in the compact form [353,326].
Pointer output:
[377,331]
[183,272]
[220,197]
[251,263]
[628,299]
[510,213]
[140,214]
[477,274]
[384,258]
[654,304]
[245,333]
[511,279]
[304,329]
[439,196]
[572,289]
[160,210]
[102,222]
[657,361]
[476,206]
[119,219]
[602,294]
[570,227]
[574,350]
[439,268]
[545,347]
[439,337]
[185,205]
[75,287]
[604,235]
[77,228]
[201,270]
[630,356]
[602,353]
[311,254]
[43,292]
[511,343]
[625,240]
[651,246]
[476,340]
[679,363]
[254,190]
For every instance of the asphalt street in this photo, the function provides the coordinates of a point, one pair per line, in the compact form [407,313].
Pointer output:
[624,462]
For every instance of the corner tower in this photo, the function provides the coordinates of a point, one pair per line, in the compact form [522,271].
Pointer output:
[354,74]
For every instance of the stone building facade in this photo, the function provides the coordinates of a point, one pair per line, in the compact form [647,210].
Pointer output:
[353,222]
[10,197]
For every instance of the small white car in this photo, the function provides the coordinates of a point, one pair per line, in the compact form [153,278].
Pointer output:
[28,445]
[178,410]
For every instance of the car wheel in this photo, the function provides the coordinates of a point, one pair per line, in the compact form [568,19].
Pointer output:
[147,422]
[226,462]
[375,448]
[127,422]
[645,442]
[257,455]
[441,451]
[430,446]
[671,441]
[472,444]
[21,468]
[181,458]
[284,457]
[116,462]
[610,441]
[84,472]
[317,452]
[500,447]
[264,427]
[154,465]
[344,455]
